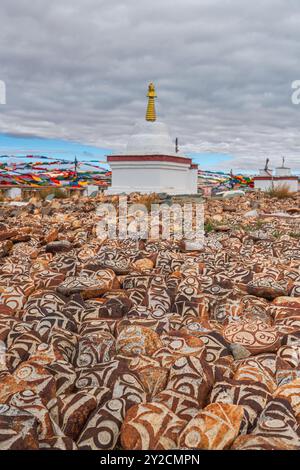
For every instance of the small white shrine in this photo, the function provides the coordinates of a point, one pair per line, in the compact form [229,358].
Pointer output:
[267,179]
[151,162]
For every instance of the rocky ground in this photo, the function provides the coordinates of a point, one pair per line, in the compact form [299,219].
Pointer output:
[110,344]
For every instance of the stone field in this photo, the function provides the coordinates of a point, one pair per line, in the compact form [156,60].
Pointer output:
[124,344]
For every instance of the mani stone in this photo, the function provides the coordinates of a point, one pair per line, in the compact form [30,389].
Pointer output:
[137,340]
[73,411]
[58,246]
[102,429]
[88,287]
[153,379]
[94,348]
[290,302]
[18,429]
[277,421]
[214,428]
[291,392]
[267,288]
[253,396]
[256,336]
[150,426]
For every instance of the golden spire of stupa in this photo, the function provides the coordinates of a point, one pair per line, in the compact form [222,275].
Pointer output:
[150,114]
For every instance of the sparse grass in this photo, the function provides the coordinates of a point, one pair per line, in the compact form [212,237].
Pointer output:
[280,192]
[146,199]
[259,224]
[60,193]
[277,234]
[295,235]
[208,227]
[43,193]
[245,228]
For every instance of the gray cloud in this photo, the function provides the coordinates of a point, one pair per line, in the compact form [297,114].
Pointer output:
[78,70]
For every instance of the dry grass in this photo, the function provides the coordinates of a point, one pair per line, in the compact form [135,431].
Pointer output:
[146,199]
[280,192]
[57,192]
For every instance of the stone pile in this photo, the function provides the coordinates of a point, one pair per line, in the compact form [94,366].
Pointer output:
[123,344]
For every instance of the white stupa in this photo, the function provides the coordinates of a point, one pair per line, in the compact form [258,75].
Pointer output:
[267,180]
[150,162]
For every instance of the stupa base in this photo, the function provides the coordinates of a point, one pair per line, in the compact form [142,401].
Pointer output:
[152,174]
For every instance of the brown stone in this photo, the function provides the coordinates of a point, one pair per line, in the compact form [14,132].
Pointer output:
[267,288]
[214,428]
[256,336]
[154,379]
[291,392]
[18,429]
[7,235]
[150,426]
[88,287]
[51,236]
[102,429]
[58,246]
[144,264]
[136,340]
[290,302]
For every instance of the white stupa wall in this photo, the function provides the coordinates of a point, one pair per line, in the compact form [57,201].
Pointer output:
[156,176]
[267,184]
[263,184]
[265,172]
[282,171]
[193,180]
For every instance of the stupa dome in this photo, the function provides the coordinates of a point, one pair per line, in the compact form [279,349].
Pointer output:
[150,138]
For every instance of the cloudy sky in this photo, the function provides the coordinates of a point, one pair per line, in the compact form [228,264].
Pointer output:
[76,71]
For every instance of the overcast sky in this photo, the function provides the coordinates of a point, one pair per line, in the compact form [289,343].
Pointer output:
[78,70]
